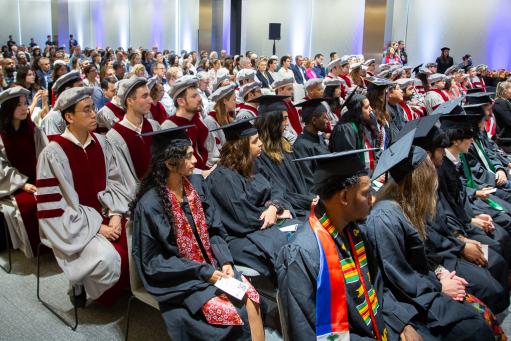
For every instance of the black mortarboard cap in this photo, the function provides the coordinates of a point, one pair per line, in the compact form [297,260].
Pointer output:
[474,90]
[428,134]
[400,158]
[479,98]
[475,109]
[466,122]
[340,164]
[270,103]
[163,138]
[444,48]
[236,130]
[416,69]
[450,107]
[311,107]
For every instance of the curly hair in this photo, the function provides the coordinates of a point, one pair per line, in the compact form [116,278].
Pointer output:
[235,155]
[416,194]
[270,133]
[156,177]
[334,184]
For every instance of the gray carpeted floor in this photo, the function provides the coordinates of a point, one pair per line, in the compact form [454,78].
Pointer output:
[23,317]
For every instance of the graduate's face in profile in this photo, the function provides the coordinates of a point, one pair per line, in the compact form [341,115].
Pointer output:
[141,101]
[188,164]
[366,109]
[437,156]
[463,145]
[285,121]
[359,199]
[21,111]
[84,116]
[256,146]
[319,122]
[286,90]
[192,100]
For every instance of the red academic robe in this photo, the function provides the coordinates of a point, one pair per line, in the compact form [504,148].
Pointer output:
[158,112]
[197,135]
[89,178]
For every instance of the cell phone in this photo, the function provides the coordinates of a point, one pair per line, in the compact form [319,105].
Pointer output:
[489,190]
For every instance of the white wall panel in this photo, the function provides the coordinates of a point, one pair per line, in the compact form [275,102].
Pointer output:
[308,26]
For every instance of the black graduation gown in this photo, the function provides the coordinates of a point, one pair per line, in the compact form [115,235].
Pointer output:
[397,120]
[460,207]
[446,249]
[502,113]
[240,202]
[401,257]
[306,145]
[287,178]
[180,285]
[297,270]
[492,148]
[483,177]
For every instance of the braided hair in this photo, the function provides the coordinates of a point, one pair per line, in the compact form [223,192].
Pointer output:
[156,177]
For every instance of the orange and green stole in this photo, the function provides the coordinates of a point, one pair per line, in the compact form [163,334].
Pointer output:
[343,273]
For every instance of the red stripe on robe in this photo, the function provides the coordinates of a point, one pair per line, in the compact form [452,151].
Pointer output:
[20,150]
[89,176]
[138,147]
[247,107]
[197,135]
[158,112]
[294,117]
[118,112]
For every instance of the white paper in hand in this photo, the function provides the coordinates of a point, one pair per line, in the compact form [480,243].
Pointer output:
[289,228]
[485,251]
[232,287]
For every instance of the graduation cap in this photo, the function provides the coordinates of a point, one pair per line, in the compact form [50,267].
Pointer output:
[479,98]
[463,122]
[64,79]
[445,48]
[163,138]
[13,92]
[72,96]
[341,164]
[474,90]
[270,103]
[311,107]
[236,130]
[475,109]
[221,92]
[376,82]
[450,107]
[428,134]
[416,69]
[400,158]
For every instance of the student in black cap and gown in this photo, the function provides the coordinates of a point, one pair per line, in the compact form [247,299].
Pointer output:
[275,162]
[449,247]
[251,209]
[180,250]
[329,283]
[444,61]
[396,231]
[311,141]
[355,130]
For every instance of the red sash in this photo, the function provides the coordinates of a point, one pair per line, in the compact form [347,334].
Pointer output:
[88,169]
[294,117]
[408,111]
[197,135]
[247,107]
[118,112]
[441,93]
[218,310]
[138,147]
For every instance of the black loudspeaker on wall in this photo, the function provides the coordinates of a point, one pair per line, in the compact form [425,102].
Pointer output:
[274,31]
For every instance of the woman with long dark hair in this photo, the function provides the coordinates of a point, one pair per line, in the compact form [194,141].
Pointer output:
[252,210]
[276,161]
[21,142]
[397,232]
[180,250]
[355,130]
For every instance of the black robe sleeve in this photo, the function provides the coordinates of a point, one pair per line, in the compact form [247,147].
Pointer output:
[165,275]
[343,138]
